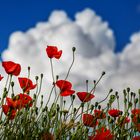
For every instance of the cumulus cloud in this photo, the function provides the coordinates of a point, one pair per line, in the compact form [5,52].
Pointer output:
[95,43]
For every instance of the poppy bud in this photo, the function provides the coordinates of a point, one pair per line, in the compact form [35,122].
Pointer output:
[99,107]
[116,93]
[12,95]
[96,104]
[57,77]
[73,49]
[130,104]
[92,107]
[58,108]
[41,75]
[34,96]
[136,100]
[36,78]
[86,81]
[5,94]
[12,84]
[29,68]
[124,92]
[128,89]
[103,73]
[131,93]
[110,90]
[73,97]
[74,110]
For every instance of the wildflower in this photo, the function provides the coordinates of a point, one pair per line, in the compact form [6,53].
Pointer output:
[26,84]
[135,111]
[99,114]
[102,134]
[65,87]
[11,68]
[85,96]
[53,52]
[89,120]
[114,112]
[25,100]
[1,77]
[11,113]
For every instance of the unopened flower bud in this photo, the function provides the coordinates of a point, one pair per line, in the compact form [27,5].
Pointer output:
[74,110]
[36,78]
[12,95]
[41,75]
[73,49]
[92,107]
[99,107]
[29,68]
[12,84]
[96,104]
[73,97]
[116,93]
[124,92]
[111,90]
[136,100]
[57,77]
[128,89]
[103,73]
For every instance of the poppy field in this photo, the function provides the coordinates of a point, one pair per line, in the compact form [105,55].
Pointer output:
[26,116]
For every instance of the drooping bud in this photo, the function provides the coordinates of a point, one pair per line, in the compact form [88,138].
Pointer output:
[73,49]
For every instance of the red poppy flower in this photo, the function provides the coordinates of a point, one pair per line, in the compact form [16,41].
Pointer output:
[114,112]
[99,114]
[136,138]
[13,103]
[1,77]
[85,96]
[53,52]
[89,120]
[65,87]
[11,68]
[135,111]
[24,100]
[26,84]
[102,134]
[11,113]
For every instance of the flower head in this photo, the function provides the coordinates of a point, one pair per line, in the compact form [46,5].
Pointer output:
[11,68]
[102,134]
[114,112]
[26,84]
[53,52]
[135,111]
[99,114]
[85,96]
[89,120]
[11,113]
[65,87]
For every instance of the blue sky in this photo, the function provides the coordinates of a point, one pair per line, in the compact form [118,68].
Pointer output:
[123,16]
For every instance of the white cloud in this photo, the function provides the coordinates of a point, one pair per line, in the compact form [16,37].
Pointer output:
[95,43]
